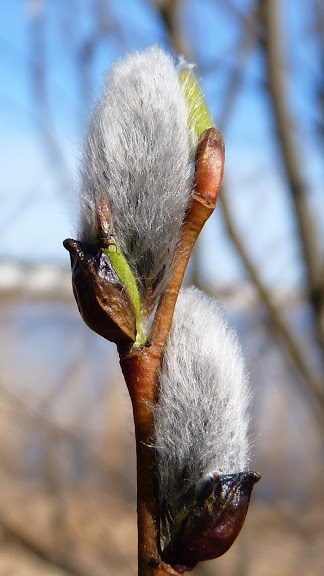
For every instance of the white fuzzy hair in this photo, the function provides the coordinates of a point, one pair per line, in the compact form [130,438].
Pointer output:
[201,419]
[138,159]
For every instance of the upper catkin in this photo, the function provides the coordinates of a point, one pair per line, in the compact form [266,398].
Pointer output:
[201,420]
[138,160]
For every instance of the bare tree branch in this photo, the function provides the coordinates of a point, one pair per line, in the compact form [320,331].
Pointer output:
[295,351]
[168,10]
[271,14]
[40,92]
[319,84]
[246,43]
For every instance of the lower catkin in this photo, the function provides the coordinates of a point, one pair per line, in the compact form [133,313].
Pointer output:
[201,419]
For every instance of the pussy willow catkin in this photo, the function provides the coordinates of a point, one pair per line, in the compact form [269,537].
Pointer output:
[201,419]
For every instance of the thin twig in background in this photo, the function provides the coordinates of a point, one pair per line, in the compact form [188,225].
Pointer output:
[40,91]
[293,156]
[295,351]
[20,538]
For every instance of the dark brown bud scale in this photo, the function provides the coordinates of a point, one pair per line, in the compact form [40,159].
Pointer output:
[102,299]
[214,519]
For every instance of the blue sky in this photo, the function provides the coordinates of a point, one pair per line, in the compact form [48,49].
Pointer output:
[38,207]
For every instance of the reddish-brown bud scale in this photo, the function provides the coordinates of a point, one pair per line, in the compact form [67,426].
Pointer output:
[210,157]
[102,300]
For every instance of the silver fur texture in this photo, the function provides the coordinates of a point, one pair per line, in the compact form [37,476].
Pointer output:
[138,159]
[201,419]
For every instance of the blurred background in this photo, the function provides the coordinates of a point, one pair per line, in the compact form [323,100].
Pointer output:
[67,464]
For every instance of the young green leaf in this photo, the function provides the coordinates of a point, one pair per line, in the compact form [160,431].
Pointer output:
[199,118]
[125,275]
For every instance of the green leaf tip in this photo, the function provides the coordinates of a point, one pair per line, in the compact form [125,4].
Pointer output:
[126,276]
[199,118]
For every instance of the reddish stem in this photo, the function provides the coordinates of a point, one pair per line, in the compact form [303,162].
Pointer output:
[140,369]
[141,366]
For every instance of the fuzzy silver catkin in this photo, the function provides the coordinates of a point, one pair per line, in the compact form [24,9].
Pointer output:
[138,160]
[201,419]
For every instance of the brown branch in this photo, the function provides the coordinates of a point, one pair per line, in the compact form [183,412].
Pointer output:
[168,10]
[140,369]
[271,13]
